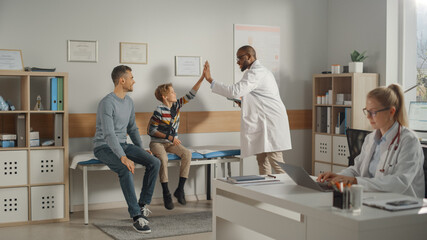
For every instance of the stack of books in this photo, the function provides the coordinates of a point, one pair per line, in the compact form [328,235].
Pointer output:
[7,140]
[34,139]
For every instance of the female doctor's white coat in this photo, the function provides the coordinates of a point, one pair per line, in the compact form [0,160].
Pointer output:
[403,171]
[264,121]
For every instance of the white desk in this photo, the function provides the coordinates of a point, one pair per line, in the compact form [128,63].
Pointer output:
[288,211]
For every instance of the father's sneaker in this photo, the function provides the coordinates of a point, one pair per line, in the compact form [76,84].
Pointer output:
[145,211]
[141,225]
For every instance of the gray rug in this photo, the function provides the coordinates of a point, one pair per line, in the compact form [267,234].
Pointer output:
[161,226]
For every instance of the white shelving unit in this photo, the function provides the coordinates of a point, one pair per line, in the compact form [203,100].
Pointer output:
[33,180]
[329,148]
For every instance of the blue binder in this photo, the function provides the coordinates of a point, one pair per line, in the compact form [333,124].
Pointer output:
[54,94]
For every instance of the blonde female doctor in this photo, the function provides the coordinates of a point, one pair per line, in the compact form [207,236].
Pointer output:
[391,159]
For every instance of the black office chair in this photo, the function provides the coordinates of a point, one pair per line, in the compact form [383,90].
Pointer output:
[355,139]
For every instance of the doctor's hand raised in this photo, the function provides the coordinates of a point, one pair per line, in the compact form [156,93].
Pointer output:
[207,72]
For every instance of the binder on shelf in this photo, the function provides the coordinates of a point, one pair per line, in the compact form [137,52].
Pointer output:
[347,118]
[60,93]
[323,119]
[54,94]
[58,129]
[341,123]
[328,120]
[20,130]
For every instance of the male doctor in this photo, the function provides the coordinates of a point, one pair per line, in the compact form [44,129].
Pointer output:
[264,122]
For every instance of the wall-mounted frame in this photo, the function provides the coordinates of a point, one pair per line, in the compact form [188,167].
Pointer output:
[188,66]
[82,51]
[133,53]
[11,59]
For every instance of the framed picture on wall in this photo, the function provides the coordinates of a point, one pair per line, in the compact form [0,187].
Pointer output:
[133,53]
[188,65]
[11,59]
[82,51]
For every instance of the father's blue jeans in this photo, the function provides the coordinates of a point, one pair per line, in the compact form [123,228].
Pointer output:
[137,155]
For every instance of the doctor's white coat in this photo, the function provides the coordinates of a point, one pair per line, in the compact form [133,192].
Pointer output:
[264,121]
[403,171]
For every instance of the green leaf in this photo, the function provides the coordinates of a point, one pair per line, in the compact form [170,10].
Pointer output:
[358,57]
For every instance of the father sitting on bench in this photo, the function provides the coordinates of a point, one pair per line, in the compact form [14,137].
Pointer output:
[116,117]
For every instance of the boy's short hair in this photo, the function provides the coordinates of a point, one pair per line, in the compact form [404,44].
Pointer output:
[162,90]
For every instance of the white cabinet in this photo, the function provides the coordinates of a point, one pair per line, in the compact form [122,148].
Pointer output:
[340,150]
[47,202]
[321,168]
[323,148]
[13,166]
[47,166]
[13,205]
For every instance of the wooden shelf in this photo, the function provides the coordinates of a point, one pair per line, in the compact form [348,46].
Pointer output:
[328,148]
[45,111]
[13,148]
[34,172]
[13,112]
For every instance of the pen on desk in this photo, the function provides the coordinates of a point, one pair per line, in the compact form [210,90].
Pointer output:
[335,187]
[272,176]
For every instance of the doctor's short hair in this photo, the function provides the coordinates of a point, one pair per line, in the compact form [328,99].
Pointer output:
[392,96]
[249,50]
[118,72]
[162,90]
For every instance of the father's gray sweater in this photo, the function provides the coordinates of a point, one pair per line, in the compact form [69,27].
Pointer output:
[116,117]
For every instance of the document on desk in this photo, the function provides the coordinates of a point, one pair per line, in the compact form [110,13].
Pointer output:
[395,204]
[251,179]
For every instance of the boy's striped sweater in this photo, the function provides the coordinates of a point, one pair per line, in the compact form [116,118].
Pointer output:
[162,117]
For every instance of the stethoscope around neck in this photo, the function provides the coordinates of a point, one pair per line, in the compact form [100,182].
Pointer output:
[396,145]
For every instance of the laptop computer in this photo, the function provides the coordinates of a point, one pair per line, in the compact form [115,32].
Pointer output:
[302,178]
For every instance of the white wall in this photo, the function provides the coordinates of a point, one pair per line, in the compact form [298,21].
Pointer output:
[187,27]
[358,25]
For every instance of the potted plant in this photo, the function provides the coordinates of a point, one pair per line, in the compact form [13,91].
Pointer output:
[356,64]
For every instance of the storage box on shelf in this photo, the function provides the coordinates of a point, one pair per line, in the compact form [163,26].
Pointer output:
[34,174]
[344,97]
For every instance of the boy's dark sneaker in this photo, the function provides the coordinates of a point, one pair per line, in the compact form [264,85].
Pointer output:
[180,195]
[141,225]
[167,200]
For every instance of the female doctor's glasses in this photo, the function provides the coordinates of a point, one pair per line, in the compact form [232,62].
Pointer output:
[374,113]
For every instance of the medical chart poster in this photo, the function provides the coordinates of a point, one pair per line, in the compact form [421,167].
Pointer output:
[265,40]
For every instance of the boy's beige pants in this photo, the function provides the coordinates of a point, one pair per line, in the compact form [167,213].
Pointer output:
[160,150]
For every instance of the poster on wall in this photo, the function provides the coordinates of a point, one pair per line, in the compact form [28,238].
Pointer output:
[188,66]
[265,40]
[82,51]
[134,53]
[11,59]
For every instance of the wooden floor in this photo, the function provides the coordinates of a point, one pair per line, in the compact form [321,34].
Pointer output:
[75,229]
